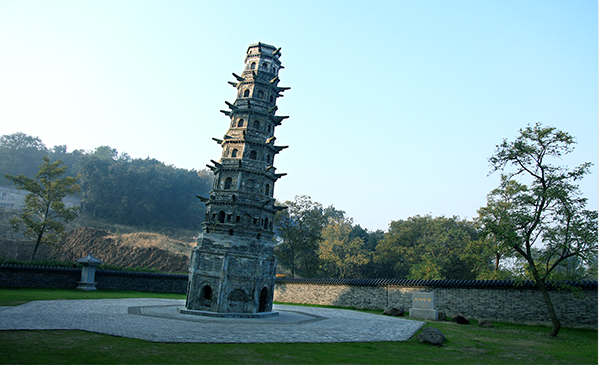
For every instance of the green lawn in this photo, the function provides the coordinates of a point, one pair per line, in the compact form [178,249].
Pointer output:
[466,344]
[24,295]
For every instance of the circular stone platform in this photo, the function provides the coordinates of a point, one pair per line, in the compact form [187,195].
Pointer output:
[227,315]
[159,320]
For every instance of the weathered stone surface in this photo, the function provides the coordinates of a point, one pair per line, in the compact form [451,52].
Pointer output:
[485,323]
[431,335]
[232,269]
[393,311]
[460,319]
[442,316]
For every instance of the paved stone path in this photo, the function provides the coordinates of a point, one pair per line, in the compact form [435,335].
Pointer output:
[158,320]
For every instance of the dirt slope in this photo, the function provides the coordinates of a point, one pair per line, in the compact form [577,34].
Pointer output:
[148,250]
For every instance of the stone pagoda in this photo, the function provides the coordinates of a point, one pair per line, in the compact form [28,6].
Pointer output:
[232,268]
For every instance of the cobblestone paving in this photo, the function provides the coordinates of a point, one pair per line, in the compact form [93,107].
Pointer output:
[158,320]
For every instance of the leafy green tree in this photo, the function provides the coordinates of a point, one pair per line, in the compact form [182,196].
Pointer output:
[427,248]
[299,228]
[70,159]
[340,254]
[538,205]
[20,155]
[489,259]
[44,214]
[488,253]
[142,192]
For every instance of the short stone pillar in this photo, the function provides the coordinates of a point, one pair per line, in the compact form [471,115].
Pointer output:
[88,272]
[423,306]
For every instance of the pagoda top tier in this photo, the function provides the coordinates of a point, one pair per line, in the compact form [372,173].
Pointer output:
[263,49]
[263,57]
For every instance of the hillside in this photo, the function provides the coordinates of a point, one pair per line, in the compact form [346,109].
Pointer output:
[148,250]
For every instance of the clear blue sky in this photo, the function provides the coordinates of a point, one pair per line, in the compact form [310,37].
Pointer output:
[395,106]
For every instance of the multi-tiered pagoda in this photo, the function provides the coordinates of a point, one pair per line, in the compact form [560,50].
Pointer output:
[232,269]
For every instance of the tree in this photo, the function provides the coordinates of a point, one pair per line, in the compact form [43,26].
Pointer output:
[341,255]
[427,248]
[44,213]
[299,228]
[142,192]
[489,247]
[20,154]
[537,211]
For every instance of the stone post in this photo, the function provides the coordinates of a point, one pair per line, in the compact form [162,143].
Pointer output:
[88,272]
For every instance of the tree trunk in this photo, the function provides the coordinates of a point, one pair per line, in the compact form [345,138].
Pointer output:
[556,323]
[292,263]
[497,258]
[37,244]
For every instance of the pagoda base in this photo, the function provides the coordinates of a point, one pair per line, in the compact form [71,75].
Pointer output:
[228,315]
[231,276]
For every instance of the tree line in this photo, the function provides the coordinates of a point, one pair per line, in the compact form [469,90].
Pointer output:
[535,226]
[115,188]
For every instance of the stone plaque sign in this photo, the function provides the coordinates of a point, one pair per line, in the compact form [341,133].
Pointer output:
[423,306]
[423,300]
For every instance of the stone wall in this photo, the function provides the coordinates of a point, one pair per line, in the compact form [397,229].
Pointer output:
[503,301]
[507,302]
[20,276]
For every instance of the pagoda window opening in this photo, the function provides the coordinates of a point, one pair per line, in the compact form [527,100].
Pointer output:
[240,123]
[246,93]
[221,216]
[229,217]
[237,219]
[253,155]
[257,124]
[263,306]
[228,182]
[261,94]
[206,295]
[271,99]
[267,190]
[234,152]
[265,223]
[253,65]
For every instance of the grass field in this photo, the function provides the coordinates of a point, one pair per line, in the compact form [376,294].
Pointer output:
[466,344]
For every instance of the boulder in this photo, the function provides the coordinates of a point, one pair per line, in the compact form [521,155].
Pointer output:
[432,336]
[393,311]
[485,323]
[460,319]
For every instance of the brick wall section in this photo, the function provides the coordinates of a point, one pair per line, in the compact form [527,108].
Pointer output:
[505,304]
[499,301]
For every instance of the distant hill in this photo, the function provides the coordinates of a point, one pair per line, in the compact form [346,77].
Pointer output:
[148,250]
